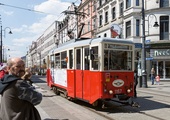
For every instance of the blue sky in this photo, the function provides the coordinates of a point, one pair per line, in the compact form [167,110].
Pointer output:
[27,25]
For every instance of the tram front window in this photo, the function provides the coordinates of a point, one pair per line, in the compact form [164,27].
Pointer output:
[117,60]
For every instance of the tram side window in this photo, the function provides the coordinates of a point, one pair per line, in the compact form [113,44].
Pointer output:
[129,60]
[64,59]
[52,61]
[107,60]
[95,62]
[70,59]
[57,60]
[78,59]
[86,59]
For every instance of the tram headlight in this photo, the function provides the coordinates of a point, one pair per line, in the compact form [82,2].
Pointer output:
[128,90]
[110,92]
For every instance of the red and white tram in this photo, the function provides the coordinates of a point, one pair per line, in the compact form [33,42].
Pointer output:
[92,70]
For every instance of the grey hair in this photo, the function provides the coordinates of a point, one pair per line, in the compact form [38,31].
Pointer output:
[10,62]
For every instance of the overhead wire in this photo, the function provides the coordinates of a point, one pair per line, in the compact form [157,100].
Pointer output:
[31,10]
[23,8]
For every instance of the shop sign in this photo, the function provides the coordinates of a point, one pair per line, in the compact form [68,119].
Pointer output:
[138,45]
[160,52]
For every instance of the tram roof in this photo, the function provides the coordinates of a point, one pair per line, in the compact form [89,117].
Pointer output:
[84,42]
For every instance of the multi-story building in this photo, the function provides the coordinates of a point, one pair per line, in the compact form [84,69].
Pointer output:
[37,54]
[122,18]
[87,18]
[119,19]
[158,38]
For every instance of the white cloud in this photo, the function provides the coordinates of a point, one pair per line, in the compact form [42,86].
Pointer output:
[52,6]
[21,29]
[55,8]
[21,43]
[8,13]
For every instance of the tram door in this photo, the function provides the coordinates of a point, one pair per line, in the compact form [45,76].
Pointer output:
[78,73]
[82,72]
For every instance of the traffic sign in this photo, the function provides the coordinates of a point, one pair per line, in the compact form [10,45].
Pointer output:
[138,45]
[147,41]
[150,58]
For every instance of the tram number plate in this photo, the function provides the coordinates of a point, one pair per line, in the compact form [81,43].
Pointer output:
[118,91]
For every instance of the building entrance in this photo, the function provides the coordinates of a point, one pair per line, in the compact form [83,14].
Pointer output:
[163,69]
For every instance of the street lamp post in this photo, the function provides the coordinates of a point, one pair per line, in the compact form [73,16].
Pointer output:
[143,59]
[10,32]
[40,62]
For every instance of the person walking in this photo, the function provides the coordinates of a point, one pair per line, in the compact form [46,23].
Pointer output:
[3,71]
[157,79]
[152,75]
[18,98]
[135,82]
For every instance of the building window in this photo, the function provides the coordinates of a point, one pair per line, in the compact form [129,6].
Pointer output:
[100,20]
[100,3]
[128,29]
[88,26]
[88,9]
[121,8]
[106,17]
[113,13]
[128,3]
[164,3]
[164,28]
[137,2]
[94,23]
[94,6]
[105,35]
[137,27]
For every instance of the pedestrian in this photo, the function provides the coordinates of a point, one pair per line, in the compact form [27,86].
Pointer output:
[152,75]
[135,82]
[157,79]
[18,98]
[3,71]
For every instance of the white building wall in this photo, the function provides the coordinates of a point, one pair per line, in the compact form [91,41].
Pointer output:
[46,42]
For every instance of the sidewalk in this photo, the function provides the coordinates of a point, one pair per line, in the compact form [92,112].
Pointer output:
[54,107]
[150,105]
[164,86]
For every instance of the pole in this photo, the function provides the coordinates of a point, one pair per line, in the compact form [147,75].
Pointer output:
[1,45]
[3,50]
[40,63]
[143,60]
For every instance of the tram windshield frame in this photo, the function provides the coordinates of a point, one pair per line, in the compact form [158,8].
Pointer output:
[117,56]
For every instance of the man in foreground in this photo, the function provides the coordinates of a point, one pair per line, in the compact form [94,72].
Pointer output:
[18,98]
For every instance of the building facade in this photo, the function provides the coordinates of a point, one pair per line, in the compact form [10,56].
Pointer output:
[117,19]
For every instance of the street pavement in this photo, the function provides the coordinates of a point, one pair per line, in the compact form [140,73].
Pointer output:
[154,104]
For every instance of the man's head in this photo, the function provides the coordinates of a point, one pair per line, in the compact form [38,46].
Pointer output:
[16,66]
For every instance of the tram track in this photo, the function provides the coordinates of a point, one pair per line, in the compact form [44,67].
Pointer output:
[125,108]
[108,112]
[113,111]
